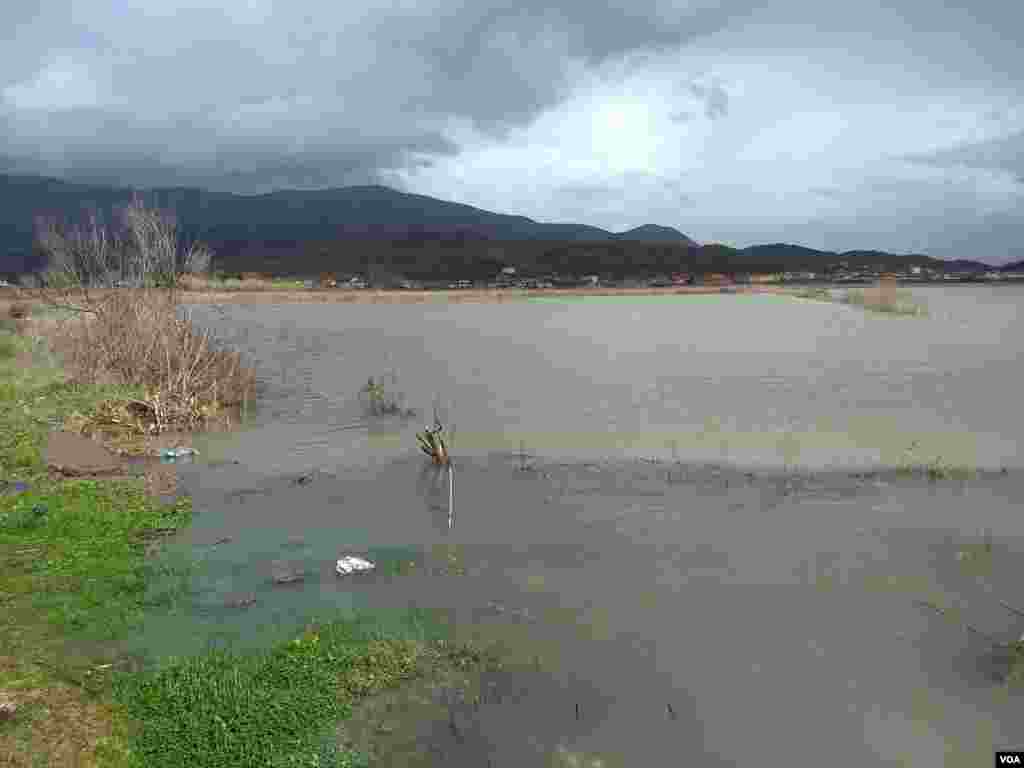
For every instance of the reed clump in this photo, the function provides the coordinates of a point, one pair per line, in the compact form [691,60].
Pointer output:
[433,443]
[380,396]
[884,297]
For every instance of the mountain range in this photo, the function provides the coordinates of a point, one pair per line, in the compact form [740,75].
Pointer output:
[252,232]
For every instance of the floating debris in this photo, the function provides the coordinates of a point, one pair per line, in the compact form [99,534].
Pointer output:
[286,573]
[351,564]
[170,454]
[240,601]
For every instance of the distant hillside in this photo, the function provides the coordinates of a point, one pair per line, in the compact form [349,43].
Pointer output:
[375,228]
[652,233]
[361,212]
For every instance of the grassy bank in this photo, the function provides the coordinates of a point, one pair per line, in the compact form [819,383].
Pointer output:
[75,573]
[83,566]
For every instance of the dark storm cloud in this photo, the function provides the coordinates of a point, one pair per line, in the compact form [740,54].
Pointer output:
[882,123]
[162,93]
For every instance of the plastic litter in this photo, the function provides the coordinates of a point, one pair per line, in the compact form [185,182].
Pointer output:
[170,454]
[351,564]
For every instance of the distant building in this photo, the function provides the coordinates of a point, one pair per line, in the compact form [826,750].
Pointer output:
[715,278]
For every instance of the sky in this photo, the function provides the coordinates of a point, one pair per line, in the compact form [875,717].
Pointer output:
[895,125]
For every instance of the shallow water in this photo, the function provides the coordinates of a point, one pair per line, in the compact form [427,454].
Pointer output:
[664,614]
[750,379]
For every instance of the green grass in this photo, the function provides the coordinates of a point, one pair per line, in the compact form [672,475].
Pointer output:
[34,399]
[275,708]
[75,553]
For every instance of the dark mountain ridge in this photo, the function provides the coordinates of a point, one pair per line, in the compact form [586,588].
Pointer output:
[350,228]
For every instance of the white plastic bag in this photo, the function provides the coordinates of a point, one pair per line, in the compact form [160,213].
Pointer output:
[351,564]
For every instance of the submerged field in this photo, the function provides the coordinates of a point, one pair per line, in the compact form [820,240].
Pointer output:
[86,565]
[666,514]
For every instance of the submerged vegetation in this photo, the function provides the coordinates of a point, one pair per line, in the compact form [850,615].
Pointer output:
[883,297]
[381,397]
[934,469]
[887,300]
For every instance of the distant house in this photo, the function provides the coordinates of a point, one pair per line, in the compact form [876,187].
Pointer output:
[715,278]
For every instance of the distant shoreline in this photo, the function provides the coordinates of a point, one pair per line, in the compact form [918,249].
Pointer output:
[465,295]
[453,295]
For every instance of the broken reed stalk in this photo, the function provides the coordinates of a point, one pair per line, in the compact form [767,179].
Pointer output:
[432,443]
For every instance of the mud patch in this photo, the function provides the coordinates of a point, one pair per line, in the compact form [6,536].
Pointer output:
[477,712]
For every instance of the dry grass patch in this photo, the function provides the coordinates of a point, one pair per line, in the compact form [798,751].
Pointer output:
[135,338]
[57,726]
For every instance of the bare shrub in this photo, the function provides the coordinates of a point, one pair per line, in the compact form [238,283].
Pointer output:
[136,338]
[143,253]
[122,291]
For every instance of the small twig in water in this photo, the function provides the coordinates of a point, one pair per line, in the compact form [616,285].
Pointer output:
[1011,609]
[945,614]
[451,495]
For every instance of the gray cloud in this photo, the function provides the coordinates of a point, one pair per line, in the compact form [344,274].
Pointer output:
[175,93]
[250,95]
[1004,154]
[715,98]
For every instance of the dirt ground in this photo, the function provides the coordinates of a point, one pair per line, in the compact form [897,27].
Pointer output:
[73,455]
[9,296]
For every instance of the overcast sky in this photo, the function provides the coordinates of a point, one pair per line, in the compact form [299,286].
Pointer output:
[895,124]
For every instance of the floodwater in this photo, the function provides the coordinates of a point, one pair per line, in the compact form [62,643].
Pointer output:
[757,595]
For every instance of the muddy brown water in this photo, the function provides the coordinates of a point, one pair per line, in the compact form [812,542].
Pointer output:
[706,612]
